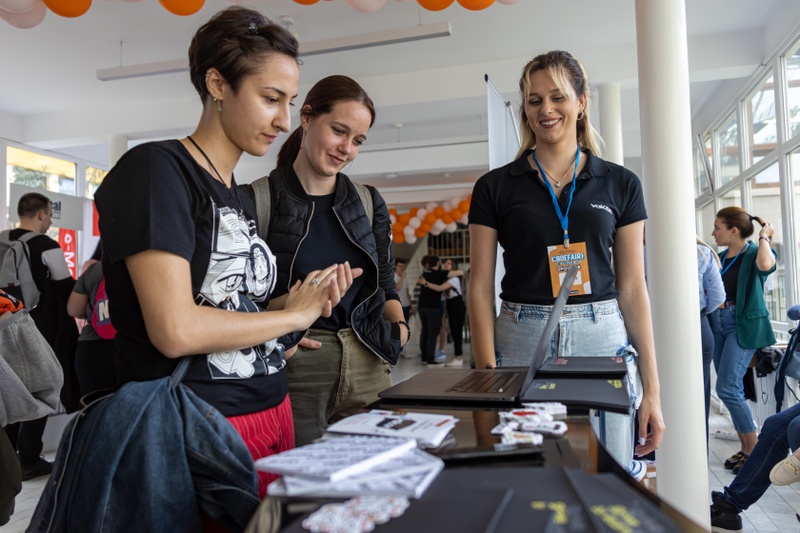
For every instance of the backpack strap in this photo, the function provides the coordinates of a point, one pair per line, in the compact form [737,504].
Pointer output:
[263,200]
[366,199]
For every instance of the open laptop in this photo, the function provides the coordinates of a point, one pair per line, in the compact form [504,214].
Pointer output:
[506,385]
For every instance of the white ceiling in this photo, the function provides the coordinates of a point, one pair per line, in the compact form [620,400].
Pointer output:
[50,96]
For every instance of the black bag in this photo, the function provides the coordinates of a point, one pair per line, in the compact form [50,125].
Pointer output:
[768,359]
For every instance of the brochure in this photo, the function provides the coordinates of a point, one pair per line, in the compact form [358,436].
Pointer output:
[428,429]
[407,475]
[336,459]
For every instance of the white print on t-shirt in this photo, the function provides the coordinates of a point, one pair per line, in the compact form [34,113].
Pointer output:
[241,269]
[603,207]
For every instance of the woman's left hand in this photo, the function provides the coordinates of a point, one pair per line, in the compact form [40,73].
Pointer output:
[650,415]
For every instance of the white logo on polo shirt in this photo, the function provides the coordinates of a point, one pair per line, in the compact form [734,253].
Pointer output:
[603,207]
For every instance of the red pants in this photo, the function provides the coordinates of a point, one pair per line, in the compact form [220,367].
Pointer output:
[266,433]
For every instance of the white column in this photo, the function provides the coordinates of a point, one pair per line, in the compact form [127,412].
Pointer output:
[610,103]
[4,185]
[118,147]
[671,257]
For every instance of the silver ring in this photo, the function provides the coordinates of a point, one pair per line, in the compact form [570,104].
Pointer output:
[315,281]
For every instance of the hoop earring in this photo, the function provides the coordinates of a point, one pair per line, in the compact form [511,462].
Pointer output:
[580,116]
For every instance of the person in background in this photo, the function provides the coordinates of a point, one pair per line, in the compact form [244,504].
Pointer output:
[95,354]
[712,295]
[433,281]
[189,288]
[584,210]
[403,292]
[54,281]
[767,463]
[456,310]
[742,325]
[318,217]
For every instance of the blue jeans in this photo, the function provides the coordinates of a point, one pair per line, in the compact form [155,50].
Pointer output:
[594,329]
[707,343]
[780,434]
[730,362]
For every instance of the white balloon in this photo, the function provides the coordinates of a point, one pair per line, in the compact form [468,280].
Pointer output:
[451,227]
[393,219]
[431,206]
[412,239]
[366,6]
[465,219]
[408,231]
[435,232]
[438,225]
[26,20]
[18,6]
[414,222]
[421,213]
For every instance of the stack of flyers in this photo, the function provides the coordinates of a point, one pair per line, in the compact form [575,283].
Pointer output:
[333,460]
[408,475]
[428,429]
[528,426]
[358,515]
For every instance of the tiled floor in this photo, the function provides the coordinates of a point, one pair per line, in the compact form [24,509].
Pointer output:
[775,512]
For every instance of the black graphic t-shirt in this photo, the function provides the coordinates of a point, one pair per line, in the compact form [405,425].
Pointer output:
[158,198]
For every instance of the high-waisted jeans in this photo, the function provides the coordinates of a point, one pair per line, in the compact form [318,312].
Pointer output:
[730,362]
[595,329]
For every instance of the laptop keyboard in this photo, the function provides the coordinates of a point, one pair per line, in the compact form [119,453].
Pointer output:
[485,382]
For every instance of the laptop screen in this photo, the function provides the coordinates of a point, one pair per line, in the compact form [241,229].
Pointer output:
[540,354]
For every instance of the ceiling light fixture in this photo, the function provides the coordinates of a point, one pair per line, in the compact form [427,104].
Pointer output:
[311,48]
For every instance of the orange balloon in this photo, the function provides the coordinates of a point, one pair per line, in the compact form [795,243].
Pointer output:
[419,233]
[393,211]
[476,5]
[463,206]
[413,211]
[404,218]
[306,2]
[438,211]
[447,219]
[68,8]
[430,218]
[424,227]
[456,214]
[184,8]
[435,5]
[399,238]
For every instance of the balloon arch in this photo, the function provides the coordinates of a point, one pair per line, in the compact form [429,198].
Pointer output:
[26,14]
[417,222]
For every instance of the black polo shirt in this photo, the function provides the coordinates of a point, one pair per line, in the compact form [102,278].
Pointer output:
[512,200]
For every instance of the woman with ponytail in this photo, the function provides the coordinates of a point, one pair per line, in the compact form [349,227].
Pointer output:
[319,216]
[741,325]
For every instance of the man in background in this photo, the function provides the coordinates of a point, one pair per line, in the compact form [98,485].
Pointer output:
[54,281]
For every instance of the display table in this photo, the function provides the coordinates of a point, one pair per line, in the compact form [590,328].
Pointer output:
[569,483]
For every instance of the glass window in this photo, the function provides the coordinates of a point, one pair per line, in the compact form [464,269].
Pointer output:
[701,184]
[760,118]
[732,197]
[41,171]
[705,225]
[94,177]
[792,65]
[707,143]
[728,139]
[765,199]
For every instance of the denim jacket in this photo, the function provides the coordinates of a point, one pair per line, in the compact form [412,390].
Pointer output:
[148,458]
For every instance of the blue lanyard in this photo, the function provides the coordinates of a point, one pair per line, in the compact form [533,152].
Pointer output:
[724,268]
[562,217]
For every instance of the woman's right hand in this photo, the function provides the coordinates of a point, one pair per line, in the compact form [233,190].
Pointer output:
[312,297]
